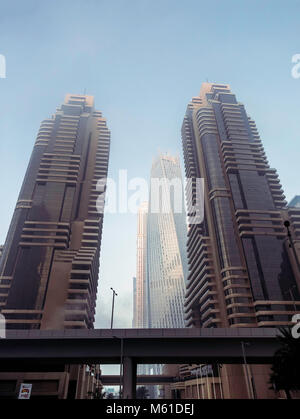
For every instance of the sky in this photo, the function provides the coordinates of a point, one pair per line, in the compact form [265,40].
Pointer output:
[143,60]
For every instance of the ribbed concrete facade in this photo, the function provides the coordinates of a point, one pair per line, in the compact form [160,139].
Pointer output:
[240,273]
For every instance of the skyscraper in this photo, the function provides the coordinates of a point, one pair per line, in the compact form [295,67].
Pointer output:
[295,202]
[166,246]
[140,282]
[240,274]
[243,235]
[50,261]
[134,302]
[140,307]
[161,254]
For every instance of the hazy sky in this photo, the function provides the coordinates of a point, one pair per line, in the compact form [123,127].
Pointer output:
[143,60]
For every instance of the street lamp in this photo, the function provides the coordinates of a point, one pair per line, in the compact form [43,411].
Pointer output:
[113,307]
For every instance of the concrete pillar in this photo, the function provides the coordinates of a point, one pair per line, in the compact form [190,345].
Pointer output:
[129,378]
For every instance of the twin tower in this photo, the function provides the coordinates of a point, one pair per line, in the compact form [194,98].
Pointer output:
[242,268]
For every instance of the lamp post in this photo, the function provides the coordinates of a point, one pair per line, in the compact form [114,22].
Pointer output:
[213,381]
[113,307]
[202,383]
[197,381]
[220,379]
[121,369]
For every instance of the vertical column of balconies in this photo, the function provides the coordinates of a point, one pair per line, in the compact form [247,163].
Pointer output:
[242,151]
[80,307]
[201,305]
[247,168]
[45,132]
[239,154]
[82,291]
[229,263]
[97,198]
[66,134]
[191,172]
[276,189]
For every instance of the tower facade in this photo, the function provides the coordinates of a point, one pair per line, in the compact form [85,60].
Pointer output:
[50,261]
[166,246]
[161,255]
[239,268]
[49,267]
[140,314]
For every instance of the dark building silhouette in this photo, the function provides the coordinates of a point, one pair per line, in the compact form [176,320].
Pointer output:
[241,268]
[50,260]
